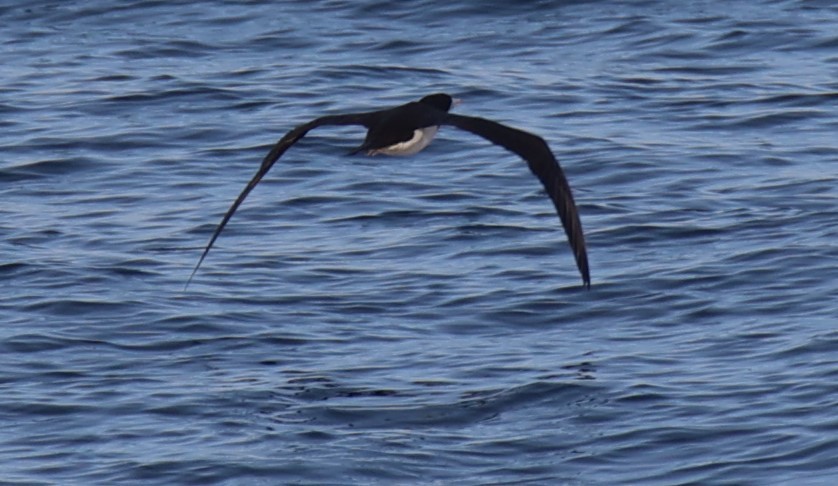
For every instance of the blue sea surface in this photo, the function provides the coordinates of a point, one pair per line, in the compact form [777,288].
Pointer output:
[418,320]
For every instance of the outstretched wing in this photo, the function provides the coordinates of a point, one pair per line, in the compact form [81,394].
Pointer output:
[534,150]
[276,152]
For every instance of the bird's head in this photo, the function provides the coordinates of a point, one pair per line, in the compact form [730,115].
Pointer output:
[440,101]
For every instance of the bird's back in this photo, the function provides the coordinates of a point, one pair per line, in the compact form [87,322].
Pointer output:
[398,124]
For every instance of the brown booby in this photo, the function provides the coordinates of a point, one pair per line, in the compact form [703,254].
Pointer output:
[409,128]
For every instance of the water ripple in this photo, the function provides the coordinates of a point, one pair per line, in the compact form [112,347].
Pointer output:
[418,320]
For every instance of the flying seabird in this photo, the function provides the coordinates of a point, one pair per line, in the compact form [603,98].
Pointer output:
[409,128]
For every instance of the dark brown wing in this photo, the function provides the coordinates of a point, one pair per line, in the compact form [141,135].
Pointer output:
[365,119]
[534,150]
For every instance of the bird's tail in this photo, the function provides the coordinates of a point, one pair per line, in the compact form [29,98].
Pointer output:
[358,150]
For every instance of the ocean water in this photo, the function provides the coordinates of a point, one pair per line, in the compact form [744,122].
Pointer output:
[418,320]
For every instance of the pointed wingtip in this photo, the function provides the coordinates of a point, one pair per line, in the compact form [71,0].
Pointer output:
[189,280]
[582,263]
[584,270]
[201,260]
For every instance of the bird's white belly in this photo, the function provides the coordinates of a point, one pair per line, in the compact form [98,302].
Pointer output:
[420,139]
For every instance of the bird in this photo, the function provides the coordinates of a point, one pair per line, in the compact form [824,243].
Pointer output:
[409,128]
